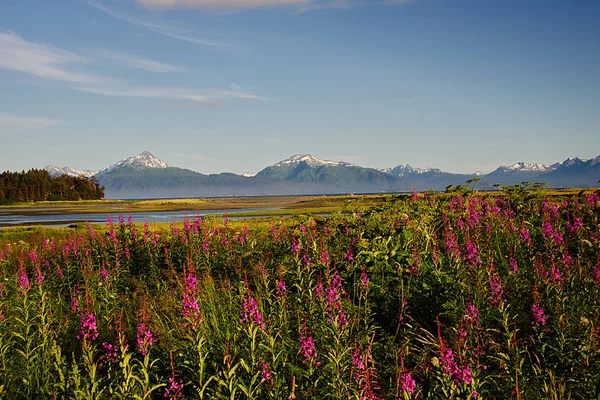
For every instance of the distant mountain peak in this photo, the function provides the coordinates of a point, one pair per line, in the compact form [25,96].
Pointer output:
[143,160]
[402,170]
[310,160]
[571,161]
[523,166]
[58,171]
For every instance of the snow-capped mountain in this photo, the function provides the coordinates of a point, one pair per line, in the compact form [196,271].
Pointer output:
[310,160]
[524,167]
[58,171]
[141,161]
[403,170]
[573,161]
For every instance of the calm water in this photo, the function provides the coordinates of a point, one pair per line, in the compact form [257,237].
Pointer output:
[150,216]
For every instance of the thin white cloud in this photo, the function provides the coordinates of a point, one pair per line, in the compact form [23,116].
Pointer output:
[148,92]
[220,4]
[14,123]
[236,91]
[44,61]
[141,63]
[161,29]
[50,62]
[300,5]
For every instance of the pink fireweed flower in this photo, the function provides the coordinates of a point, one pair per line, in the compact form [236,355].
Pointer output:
[333,302]
[280,289]
[463,375]
[266,375]
[308,350]
[325,257]
[358,364]
[512,264]
[472,254]
[471,314]
[39,278]
[407,383]
[104,274]
[295,247]
[144,337]
[174,388]
[597,274]
[525,236]
[539,317]
[555,274]
[110,352]
[319,290]
[88,328]
[447,362]
[74,304]
[23,282]
[189,302]
[251,313]
[364,281]
[365,377]
[348,257]
[550,235]
[496,291]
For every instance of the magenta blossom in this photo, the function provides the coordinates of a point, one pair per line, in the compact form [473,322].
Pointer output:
[88,330]
[308,350]
[251,313]
[145,338]
[407,383]
[539,317]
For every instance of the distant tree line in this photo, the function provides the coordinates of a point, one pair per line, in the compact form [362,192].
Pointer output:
[38,185]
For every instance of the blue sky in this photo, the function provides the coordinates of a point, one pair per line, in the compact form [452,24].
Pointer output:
[236,85]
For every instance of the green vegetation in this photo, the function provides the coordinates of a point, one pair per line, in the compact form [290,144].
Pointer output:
[37,185]
[437,296]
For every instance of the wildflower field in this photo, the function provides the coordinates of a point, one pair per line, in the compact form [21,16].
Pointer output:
[435,296]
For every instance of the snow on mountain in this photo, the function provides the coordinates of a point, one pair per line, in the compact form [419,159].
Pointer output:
[58,171]
[141,161]
[310,160]
[595,161]
[523,166]
[572,161]
[249,174]
[402,170]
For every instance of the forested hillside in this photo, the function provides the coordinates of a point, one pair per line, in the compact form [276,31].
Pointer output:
[38,185]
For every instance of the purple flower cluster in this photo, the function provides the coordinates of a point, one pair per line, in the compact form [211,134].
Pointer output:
[251,313]
[88,328]
[145,338]
[333,302]
[550,235]
[308,350]
[266,375]
[539,317]
[496,291]
[23,282]
[472,254]
[451,368]
[471,314]
[407,383]
[174,388]
[189,303]
[280,288]
[110,352]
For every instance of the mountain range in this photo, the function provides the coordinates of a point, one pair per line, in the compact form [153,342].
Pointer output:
[145,176]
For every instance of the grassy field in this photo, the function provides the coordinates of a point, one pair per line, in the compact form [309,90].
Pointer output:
[436,296]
